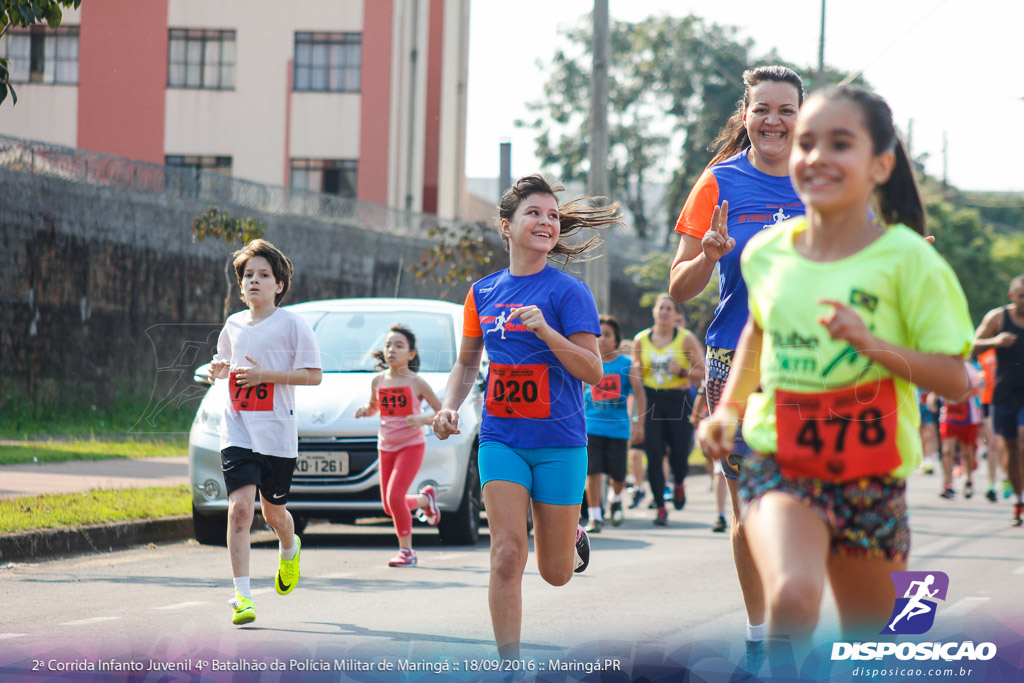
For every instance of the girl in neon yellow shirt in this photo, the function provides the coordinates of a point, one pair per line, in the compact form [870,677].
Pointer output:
[846,315]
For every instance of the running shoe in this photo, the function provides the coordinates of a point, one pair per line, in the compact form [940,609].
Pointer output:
[991,494]
[582,559]
[244,612]
[947,492]
[638,495]
[667,494]
[968,489]
[594,526]
[662,518]
[431,513]
[720,525]
[928,464]
[1007,488]
[616,513]
[679,496]
[754,656]
[288,571]
[1018,514]
[405,557]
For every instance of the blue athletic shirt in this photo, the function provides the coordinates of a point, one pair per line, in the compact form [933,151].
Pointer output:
[756,201]
[606,410]
[532,401]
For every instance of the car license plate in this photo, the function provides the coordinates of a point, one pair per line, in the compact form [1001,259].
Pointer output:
[333,462]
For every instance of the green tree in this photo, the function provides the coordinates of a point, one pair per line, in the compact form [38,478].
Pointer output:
[459,254]
[220,224]
[24,13]
[967,245]
[651,275]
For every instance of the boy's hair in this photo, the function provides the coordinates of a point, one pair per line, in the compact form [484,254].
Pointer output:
[898,198]
[279,264]
[414,362]
[572,217]
[611,322]
[733,138]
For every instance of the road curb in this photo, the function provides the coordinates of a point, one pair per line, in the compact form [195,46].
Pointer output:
[44,544]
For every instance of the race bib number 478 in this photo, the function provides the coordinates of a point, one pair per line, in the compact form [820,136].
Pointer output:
[838,435]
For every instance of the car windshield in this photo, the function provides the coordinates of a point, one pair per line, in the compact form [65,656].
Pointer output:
[348,339]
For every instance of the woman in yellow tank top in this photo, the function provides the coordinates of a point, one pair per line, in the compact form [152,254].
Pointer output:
[669,356]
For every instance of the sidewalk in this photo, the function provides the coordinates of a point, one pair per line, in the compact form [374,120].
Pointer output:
[82,475]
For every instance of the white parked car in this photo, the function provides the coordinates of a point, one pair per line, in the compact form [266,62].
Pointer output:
[337,475]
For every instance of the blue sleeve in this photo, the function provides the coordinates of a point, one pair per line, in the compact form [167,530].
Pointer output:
[577,310]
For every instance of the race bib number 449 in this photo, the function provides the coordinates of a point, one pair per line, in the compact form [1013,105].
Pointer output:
[838,435]
[518,391]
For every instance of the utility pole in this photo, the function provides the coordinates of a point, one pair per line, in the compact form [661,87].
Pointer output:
[595,271]
[945,165]
[504,167]
[821,51]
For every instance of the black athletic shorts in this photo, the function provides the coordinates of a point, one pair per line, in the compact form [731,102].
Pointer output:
[271,474]
[607,456]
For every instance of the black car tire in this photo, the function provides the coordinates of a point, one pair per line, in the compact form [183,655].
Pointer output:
[462,527]
[210,529]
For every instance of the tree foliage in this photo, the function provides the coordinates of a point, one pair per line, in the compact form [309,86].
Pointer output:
[459,254]
[24,13]
[651,275]
[219,224]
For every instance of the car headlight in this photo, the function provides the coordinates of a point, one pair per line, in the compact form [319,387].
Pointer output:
[209,420]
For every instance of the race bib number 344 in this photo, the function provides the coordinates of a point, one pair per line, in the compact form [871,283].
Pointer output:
[259,397]
[518,391]
[838,435]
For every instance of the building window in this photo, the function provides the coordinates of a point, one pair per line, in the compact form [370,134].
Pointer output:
[328,62]
[42,55]
[220,165]
[333,176]
[200,58]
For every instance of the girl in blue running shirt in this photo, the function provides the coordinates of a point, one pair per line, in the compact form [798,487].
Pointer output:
[539,326]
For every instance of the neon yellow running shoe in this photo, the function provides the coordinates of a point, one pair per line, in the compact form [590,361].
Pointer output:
[288,571]
[245,613]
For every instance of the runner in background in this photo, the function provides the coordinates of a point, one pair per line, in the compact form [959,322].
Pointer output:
[744,190]
[930,442]
[989,447]
[719,485]
[398,394]
[533,436]
[838,327]
[958,428]
[609,425]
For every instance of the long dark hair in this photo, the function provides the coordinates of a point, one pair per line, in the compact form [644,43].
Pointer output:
[572,217]
[898,198]
[733,137]
[414,362]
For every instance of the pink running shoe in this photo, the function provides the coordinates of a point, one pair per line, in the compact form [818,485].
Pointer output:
[431,513]
[403,558]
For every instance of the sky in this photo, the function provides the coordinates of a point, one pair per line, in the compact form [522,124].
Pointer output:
[954,67]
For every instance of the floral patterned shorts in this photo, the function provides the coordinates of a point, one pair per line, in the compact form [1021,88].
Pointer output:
[866,517]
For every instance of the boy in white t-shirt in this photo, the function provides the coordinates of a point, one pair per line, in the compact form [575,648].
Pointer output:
[263,353]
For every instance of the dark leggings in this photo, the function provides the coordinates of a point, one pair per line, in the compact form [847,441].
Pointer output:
[667,426]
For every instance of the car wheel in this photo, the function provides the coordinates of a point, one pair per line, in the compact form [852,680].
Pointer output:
[462,527]
[210,529]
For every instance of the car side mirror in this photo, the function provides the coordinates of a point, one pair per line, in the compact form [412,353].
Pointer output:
[202,375]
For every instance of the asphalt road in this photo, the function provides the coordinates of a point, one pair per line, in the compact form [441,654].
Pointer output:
[667,595]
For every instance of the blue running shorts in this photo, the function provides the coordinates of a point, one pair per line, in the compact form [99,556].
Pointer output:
[551,475]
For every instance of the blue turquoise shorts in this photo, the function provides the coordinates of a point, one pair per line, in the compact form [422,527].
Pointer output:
[551,475]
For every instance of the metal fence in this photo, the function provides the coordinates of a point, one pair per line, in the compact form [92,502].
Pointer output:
[211,188]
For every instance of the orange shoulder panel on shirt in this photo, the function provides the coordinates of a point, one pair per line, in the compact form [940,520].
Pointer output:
[695,218]
[470,318]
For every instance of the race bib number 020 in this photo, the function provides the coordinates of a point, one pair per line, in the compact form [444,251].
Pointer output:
[518,391]
[395,401]
[258,397]
[838,435]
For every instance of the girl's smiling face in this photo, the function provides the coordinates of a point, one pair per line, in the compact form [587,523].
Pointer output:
[833,164]
[534,225]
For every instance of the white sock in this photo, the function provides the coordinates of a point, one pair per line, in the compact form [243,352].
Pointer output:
[596,514]
[614,497]
[242,586]
[756,633]
[289,553]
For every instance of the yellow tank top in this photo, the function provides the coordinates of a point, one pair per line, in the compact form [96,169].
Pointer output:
[654,359]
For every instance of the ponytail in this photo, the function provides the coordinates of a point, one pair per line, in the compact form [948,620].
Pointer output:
[898,198]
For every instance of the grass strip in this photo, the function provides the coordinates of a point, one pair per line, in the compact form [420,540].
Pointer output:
[56,511]
[16,452]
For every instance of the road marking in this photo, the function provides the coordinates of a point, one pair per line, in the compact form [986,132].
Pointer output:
[962,607]
[93,620]
[8,636]
[181,605]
